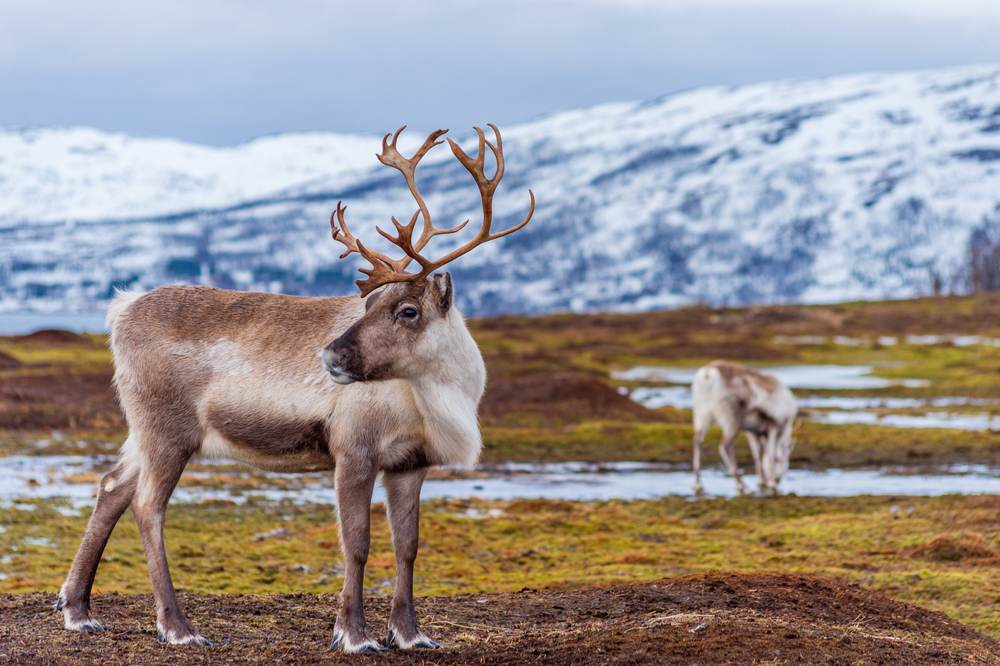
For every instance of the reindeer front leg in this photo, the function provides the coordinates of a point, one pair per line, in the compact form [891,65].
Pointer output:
[771,461]
[402,492]
[755,449]
[355,480]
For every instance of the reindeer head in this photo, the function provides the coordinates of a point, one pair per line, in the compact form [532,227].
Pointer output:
[396,336]
[784,449]
[411,320]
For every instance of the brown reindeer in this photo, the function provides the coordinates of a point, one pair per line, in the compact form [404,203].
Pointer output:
[254,377]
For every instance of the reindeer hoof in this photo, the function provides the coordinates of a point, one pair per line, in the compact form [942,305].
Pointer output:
[87,626]
[367,646]
[77,619]
[421,641]
[190,639]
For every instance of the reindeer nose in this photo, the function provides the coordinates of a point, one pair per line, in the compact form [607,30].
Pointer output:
[342,363]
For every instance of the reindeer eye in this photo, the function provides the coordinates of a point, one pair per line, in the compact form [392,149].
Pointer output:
[408,313]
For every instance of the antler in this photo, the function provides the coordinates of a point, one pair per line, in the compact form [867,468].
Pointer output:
[385,270]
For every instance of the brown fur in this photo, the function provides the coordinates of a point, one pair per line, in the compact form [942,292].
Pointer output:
[239,375]
[269,436]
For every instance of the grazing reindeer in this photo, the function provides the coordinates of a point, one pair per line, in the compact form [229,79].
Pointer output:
[254,377]
[736,398]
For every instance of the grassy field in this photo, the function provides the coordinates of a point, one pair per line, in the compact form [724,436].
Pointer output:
[550,399]
[940,553]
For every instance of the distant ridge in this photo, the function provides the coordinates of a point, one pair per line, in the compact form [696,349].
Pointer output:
[855,187]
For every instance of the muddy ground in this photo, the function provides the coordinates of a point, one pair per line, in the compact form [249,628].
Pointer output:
[712,618]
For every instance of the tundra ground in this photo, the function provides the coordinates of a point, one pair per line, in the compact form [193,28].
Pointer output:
[549,398]
[713,618]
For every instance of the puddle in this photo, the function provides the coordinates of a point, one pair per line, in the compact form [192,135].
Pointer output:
[888,341]
[798,376]
[680,397]
[837,402]
[930,420]
[53,476]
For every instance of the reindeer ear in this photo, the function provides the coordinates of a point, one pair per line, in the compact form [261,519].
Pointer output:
[373,299]
[443,291]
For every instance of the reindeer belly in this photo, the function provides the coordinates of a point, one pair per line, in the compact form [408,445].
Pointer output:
[273,444]
[758,423]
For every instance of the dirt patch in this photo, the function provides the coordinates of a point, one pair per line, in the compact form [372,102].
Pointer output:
[56,335]
[56,398]
[687,350]
[559,396]
[706,618]
[8,362]
[955,548]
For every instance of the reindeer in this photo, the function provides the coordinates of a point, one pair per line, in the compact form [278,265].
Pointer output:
[736,398]
[255,378]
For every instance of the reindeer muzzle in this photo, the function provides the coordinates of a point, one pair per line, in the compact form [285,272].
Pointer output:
[343,362]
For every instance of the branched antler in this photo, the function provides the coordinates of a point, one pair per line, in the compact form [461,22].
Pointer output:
[385,270]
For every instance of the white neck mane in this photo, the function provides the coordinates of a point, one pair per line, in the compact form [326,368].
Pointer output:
[449,399]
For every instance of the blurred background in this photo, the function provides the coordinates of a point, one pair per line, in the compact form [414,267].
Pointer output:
[728,152]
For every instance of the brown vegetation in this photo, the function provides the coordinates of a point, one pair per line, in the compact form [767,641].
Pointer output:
[8,362]
[56,335]
[560,397]
[954,548]
[979,315]
[55,398]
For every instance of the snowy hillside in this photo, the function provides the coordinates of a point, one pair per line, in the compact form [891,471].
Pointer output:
[853,187]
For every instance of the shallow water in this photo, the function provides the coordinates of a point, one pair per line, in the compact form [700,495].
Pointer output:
[27,478]
[930,420]
[795,377]
[888,341]
[843,410]
[680,397]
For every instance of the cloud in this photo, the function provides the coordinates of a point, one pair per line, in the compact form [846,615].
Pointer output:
[221,71]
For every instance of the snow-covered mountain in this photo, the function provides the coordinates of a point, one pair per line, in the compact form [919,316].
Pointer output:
[853,187]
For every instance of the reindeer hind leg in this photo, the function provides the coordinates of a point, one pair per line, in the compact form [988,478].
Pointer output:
[727,450]
[702,422]
[162,466]
[114,495]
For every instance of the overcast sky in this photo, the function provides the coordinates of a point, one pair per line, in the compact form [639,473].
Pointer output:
[225,71]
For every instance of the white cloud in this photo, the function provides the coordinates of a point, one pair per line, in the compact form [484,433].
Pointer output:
[222,71]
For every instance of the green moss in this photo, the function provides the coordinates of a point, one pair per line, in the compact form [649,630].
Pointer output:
[542,544]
